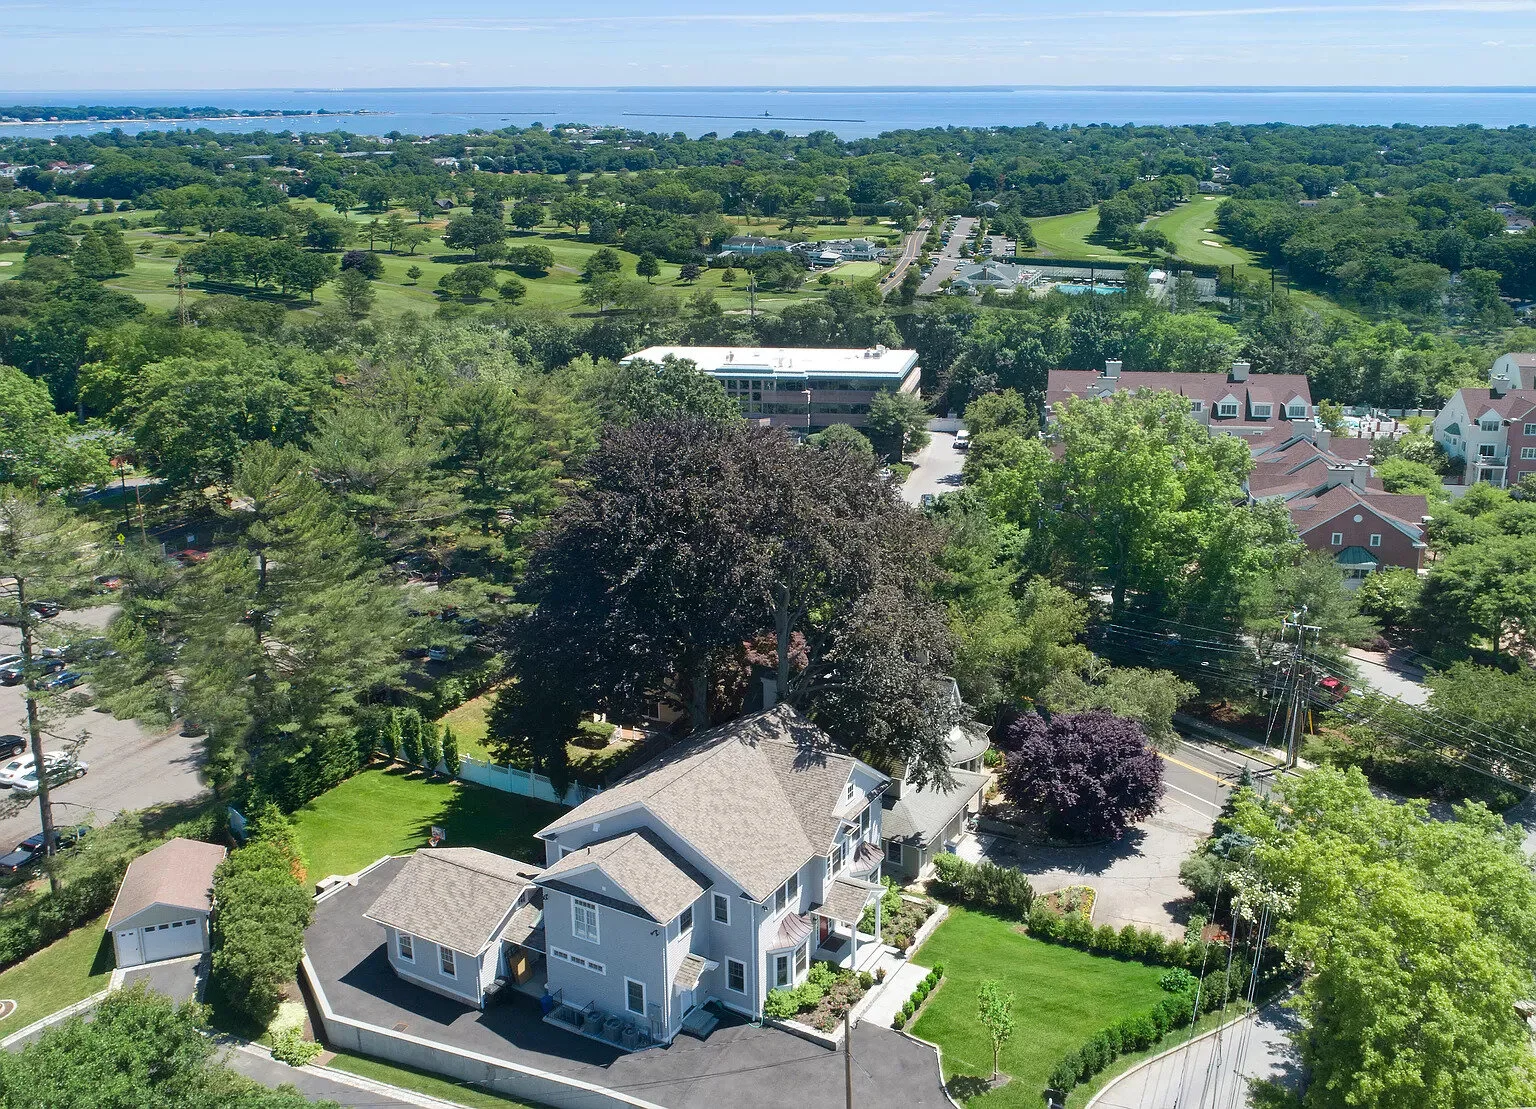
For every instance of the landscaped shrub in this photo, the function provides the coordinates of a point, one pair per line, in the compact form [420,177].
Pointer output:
[289,1046]
[1076,930]
[1177,980]
[410,736]
[899,1021]
[781,1004]
[55,915]
[431,746]
[594,735]
[451,761]
[929,983]
[1134,1033]
[258,928]
[985,885]
[1106,939]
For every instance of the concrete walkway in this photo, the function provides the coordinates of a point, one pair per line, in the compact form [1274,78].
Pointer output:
[893,995]
[1214,1071]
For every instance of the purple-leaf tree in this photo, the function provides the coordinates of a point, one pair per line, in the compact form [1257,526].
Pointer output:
[1089,774]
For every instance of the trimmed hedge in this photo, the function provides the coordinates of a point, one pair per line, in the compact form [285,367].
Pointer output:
[984,885]
[1141,945]
[919,995]
[55,915]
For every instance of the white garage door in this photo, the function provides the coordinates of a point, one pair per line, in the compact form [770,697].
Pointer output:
[166,941]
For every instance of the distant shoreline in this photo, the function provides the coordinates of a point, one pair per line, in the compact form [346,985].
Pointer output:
[276,114]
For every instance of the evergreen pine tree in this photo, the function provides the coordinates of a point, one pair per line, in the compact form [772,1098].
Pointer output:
[410,736]
[431,746]
[286,627]
[393,736]
[451,761]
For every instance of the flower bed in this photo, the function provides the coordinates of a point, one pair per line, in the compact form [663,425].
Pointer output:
[901,917]
[915,1002]
[1072,899]
[822,1000]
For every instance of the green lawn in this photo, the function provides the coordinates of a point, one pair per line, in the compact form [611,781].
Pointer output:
[1061,997]
[423,1083]
[1067,237]
[68,971]
[470,727]
[1186,226]
[387,812]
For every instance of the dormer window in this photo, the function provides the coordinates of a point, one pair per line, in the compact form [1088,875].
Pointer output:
[1197,406]
[1296,410]
[848,792]
[1227,408]
[1262,411]
[1490,424]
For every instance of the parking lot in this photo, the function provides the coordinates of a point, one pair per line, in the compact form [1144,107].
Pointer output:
[130,766]
[948,256]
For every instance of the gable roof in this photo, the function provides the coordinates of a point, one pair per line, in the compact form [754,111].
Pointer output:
[1479,402]
[757,797]
[178,873]
[918,816]
[1209,388]
[458,897]
[1403,511]
[651,876]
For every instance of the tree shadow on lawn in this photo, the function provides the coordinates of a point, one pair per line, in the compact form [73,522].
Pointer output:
[963,1087]
[477,816]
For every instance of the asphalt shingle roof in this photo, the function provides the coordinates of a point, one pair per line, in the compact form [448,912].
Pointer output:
[919,815]
[651,876]
[178,873]
[758,796]
[457,897]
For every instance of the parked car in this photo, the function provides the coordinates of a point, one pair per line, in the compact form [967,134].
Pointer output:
[12,745]
[190,556]
[108,583]
[962,440]
[46,609]
[14,769]
[65,679]
[61,767]
[1334,689]
[30,850]
[95,648]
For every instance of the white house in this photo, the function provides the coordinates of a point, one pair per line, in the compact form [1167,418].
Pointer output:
[162,907]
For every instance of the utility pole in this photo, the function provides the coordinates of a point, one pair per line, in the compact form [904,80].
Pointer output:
[26,619]
[1300,682]
[848,1059]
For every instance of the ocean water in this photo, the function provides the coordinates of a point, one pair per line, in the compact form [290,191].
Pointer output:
[848,112]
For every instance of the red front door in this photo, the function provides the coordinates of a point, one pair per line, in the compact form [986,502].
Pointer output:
[823,929]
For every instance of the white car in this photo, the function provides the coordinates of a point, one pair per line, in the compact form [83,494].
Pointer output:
[61,767]
[962,440]
[14,769]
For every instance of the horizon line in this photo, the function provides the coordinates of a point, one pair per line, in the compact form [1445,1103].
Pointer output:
[34,93]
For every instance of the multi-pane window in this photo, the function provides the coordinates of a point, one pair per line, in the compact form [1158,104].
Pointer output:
[1530,429]
[404,946]
[445,960]
[583,920]
[722,909]
[1486,450]
[1527,452]
[1227,409]
[802,958]
[893,852]
[1297,411]
[736,975]
[781,970]
[1489,425]
[685,921]
[634,996]
[1375,539]
[1338,539]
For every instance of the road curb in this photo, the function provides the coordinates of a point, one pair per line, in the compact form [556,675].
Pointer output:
[1254,1013]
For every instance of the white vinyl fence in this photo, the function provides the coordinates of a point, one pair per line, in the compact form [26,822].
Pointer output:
[509,779]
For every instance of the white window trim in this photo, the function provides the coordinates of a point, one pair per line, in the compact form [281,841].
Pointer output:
[736,962]
[1530,429]
[405,947]
[1336,539]
[717,901]
[899,859]
[1296,411]
[447,962]
[1228,409]
[1527,452]
[1263,411]
[686,915]
[628,982]
[1487,450]
[578,960]
[788,959]
[1375,540]
[581,933]
[802,960]
[1488,425]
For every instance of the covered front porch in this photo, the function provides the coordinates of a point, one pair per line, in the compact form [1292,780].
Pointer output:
[836,923]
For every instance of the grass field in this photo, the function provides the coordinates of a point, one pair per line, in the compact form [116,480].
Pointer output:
[1186,226]
[1067,237]
[388,812]
[61,974]
[1061,997]
[470,723]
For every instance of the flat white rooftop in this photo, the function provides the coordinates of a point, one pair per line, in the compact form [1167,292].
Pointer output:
[842,362]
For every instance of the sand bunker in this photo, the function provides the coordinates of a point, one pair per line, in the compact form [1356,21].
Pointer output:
[1210,242]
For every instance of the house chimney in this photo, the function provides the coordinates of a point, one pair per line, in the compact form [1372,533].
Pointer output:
[1360,475]
[770,692]
[1323,439]
[1499,387]
[1239,371]
[1112,369]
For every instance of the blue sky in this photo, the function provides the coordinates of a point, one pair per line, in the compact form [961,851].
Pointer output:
[213,44]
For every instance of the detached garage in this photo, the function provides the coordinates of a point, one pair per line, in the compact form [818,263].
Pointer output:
[162,907]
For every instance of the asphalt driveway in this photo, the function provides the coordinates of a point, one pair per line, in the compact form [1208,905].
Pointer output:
[738,1066]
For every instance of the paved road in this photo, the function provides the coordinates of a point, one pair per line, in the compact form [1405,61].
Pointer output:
[131,766]
[947,257]
[911,247]
[1392,674]
[936,468]
[1212,1073]
[1137,877]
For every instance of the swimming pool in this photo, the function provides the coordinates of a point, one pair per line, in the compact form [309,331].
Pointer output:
[1079,290]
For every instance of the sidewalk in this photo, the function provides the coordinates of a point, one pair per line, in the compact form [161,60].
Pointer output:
[893,994]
